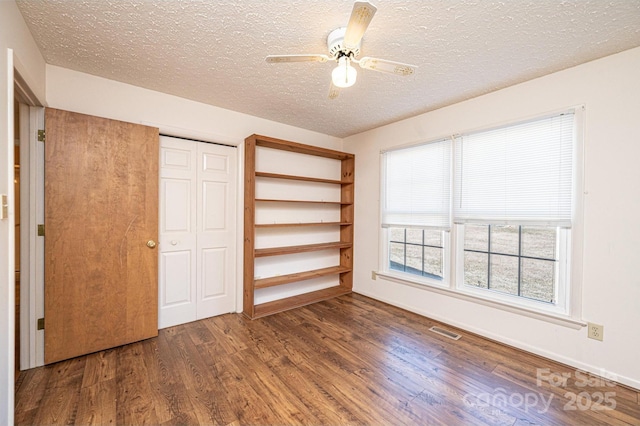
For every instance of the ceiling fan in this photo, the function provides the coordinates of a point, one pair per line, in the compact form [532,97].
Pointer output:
[344,47]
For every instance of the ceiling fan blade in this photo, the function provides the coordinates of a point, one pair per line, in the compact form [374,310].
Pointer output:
[361,17]
[334,91]
[390,67]
[276,59]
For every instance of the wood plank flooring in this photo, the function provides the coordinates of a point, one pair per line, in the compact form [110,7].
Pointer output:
[349,360]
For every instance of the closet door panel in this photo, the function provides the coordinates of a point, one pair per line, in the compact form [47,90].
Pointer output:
[217,182]
[178,232]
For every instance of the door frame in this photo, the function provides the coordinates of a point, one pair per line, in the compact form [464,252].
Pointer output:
[16,88]
[7,245]
[31,213]
[31,245]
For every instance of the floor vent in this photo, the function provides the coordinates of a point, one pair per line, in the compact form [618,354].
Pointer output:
[445,333]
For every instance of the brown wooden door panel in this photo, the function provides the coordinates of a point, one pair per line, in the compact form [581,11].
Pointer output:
[101,208]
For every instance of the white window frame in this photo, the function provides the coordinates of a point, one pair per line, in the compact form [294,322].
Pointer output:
[422,280]
[567,311]
[561,285]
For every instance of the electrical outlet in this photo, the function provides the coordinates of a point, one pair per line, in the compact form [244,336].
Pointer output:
[374,276]
[595,331]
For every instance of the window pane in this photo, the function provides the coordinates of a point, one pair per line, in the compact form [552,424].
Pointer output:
[414,236]
[504,274]
[539,241]
[433,261]
[538,278]
[433,237]
[396,234]
[476,237]
[414,259]
[396,256]
[504,239]
[475,269]
[414,256]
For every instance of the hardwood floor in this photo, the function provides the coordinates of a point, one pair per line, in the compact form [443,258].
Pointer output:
[349,360]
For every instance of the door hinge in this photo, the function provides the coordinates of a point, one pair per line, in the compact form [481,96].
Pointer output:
[41,135]
[40,323]
[41,230]
[4,206]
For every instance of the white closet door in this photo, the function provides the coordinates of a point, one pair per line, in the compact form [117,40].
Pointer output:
[178,233]
[197,230]
[216,227]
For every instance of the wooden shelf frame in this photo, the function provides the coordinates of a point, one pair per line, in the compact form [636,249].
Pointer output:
[269,308]
[277,251]
[298,301]
[345,246]
[274,200]
[299,276]
[299,178]
[300,224]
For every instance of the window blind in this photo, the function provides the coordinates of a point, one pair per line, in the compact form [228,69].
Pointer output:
[417,186]
[517,174]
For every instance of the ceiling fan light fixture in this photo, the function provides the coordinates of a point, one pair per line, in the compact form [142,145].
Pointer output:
[344,45]
[344,75]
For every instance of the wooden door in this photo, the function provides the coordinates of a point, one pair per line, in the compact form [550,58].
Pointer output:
[101,209]
[197,230]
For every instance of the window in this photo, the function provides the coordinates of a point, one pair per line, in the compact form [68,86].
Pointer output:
[416,209]
[507,197]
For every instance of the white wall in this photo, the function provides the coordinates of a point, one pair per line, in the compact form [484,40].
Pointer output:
[26,58]
[88,94]
[610,90]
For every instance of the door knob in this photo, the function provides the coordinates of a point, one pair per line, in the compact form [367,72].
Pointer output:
[151,244]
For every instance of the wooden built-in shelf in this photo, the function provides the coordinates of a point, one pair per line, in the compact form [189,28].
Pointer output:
[299,276]
[273,200]
[344,270]
[281,305]
[297,224]
[276,251]
[300,178]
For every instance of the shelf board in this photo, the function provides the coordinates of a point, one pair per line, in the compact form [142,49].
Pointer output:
[285,304]
[301,178]
[299,148]
[299,276]
[299,224]
[275,251]
[271,200]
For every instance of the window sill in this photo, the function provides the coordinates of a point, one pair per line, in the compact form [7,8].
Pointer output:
[544,316]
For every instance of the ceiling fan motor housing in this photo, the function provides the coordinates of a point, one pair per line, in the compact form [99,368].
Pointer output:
[335,43]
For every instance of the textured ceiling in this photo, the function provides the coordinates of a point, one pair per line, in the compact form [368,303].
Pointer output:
[213,51]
